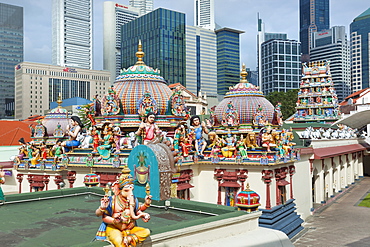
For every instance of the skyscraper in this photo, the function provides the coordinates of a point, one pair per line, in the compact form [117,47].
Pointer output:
[162,33]
[114,16]
[332,45]
[262,36]
[11,53]
[204,14]
[228,59]
[201,60]
[72,33]
[313,17]
[281,66]
[360,43]
[145,6]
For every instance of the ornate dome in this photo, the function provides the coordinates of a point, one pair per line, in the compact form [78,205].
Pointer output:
[57,116]
[246,99]
[139,83]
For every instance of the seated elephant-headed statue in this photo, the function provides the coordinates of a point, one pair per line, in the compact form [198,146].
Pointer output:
[250,141]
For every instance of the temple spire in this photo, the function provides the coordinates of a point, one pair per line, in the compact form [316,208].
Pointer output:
[244,74]
[59,101]
[140,54]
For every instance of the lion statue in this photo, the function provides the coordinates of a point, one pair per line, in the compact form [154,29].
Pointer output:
[250,141]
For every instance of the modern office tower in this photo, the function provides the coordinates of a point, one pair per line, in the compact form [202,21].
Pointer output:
[313,17]
[114,16]
[201,60]
[162,33]
[281,66]
[11,53]
[72,33]
[204,14]
[252,76]
[37,85]
[228,59]
[145,6]
[332,45]
[360,51]
[262,36]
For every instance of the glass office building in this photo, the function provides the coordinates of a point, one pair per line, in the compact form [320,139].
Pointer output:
[313,17]
[228,59]
[162,33]
[332,45]
[360,46]
[11,53]
[281,66]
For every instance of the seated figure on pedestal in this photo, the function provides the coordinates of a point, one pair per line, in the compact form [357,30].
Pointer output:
[120,212]
[72,131]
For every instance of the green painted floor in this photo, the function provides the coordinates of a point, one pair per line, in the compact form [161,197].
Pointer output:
[69,221]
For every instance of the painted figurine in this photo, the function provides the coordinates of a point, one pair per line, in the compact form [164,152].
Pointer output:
[198,128]
[148,130]
[72,131]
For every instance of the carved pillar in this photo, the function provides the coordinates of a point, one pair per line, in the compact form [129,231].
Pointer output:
[46,181]
[58,179]
[242,176]
[266,176]
[71,176]
[219,174]
[30,179]
[20,179]
[291,173]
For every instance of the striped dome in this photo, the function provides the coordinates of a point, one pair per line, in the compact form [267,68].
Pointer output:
[136,81]
[246,99]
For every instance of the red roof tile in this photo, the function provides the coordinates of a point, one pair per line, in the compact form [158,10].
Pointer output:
[12,131]
[323,153]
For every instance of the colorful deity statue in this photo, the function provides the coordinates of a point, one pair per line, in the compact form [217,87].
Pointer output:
[2,181]
[242,148]
[197,129]
[110,103]
[229,146]
[58,132]
[146,104]
[120,212]
[148,130]
[178,136]
[267,139]
[278,116]
[73,129]
[178,102]
[105,149]
[230,117]
[95,133]
[57,151]
[22,151]
[117,135]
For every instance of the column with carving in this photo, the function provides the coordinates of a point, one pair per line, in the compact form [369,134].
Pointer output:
[71,176]
[20,179]
[46,181]
[218,175]
[242,176]
[266,176]
[58,179]
[30,180]
[291,173]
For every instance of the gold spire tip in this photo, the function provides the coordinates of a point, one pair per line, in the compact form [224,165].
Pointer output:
[140,54]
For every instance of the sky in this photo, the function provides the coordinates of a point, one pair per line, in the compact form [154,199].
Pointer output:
[279,16]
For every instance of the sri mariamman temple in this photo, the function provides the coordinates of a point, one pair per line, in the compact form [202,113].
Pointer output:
[141,135]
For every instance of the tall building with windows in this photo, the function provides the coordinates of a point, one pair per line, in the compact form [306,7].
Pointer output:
[162,33]
[11,53]
[201,60]
[72,33]
[145,6]
[360,51]
[262,36]
[114,16]
[332,45]
[37,85]
[204,14]
[281,66]
[228,59]
[313,17]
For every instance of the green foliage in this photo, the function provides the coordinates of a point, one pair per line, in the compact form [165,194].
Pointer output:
[365,202]
[287,99]
[83,116]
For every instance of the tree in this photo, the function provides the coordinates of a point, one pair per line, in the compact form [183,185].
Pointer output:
[287,99]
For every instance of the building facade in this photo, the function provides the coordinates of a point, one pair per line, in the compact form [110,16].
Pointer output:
[359,45]
[228,58]
[162,33]
[204,14]
[11,53]
[280,65]
[115,15]
[201,60]
[332,45]
[313,17]
[37,85]
[262,36]
[145,6]
[72,33]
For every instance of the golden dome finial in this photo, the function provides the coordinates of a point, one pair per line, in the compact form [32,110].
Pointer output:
[244,74]
[59,101]
[140,54]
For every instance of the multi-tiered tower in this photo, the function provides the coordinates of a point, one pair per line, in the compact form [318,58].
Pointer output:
[317,100]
